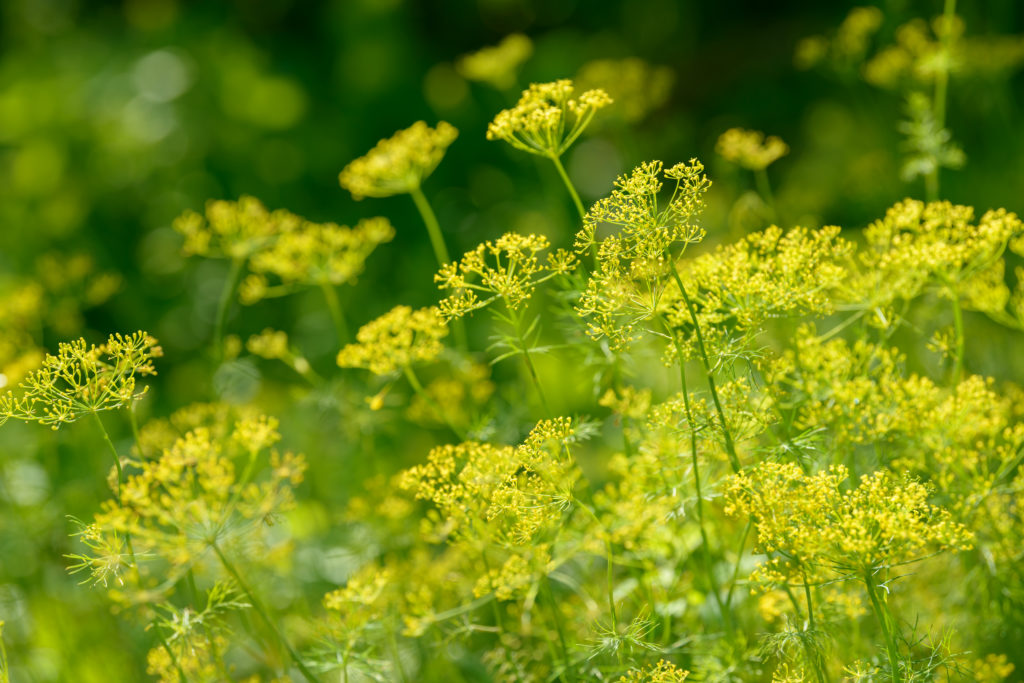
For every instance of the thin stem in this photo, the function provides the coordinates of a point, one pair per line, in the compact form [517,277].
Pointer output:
[174,660]
[764,188]
[725,609]
[553,608]
[811,652]
[120,478]
[433,227]
[517,325]
[306,673]
[739,557]
[958,328]
[440,253]
[226,295]
[569,186]
[729,446]
[885,623]
[414,382]
[941,90]
[393,642]
[336,311]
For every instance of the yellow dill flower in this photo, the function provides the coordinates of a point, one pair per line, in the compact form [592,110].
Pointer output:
[399,164]
[190,498]
[811,520]
[269,344]
[459,396]
[547,120]
[637,87]
[497,66]
[628,401]
[507,268]
[750,148]
[396,340]
[233,230]
[992,669]
[662,672]
[634,263]
[83,379]
[316,254]
[499,493]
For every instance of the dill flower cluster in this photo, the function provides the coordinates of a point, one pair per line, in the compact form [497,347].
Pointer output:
[188,500]
[315,254]
[662,672]
[634,262]
[810,519]
[507,268]
[83,379]
[750,148]
[497,66]
[399,164]
[396,340]
[232,229]
[547,119]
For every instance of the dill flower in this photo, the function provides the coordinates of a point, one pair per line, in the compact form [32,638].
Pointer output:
[399,164]
[547,120]
[83,379]
[497,65]
[633,264]
[507,268]
[396,340]
[233,230]
[882,523]
[662,672]
[192,497]
[750,148]
[317,254]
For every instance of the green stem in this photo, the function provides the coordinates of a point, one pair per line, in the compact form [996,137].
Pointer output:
[337,312]
[569,186]
[941,90]
[174,660]
[726,435]
[440,253]
[120,479]
[414,382]
[885,619]
[226,295]
[811,652]
[739,557]
[393,642]
[764,187]
[958,329]
[555,617]
[517,326]
[433,227]
[725,609]
[306,673]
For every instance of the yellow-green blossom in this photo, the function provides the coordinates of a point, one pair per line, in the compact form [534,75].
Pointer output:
[750,148]
[396,340]
[399,164]
[233,230]
[547,119]
[497,65]
[83,379]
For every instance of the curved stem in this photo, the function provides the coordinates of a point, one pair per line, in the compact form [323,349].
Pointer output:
[569,186]
[726,435]
[336,311]
[440,253]
[120,479]
[306,673]
[226,295]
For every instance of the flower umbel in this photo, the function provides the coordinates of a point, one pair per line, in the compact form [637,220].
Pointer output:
[399,164]
[547,120]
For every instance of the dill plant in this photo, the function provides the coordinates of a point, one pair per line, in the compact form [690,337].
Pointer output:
[785,517]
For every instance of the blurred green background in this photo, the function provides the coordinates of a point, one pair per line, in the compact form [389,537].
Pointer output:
[117,116]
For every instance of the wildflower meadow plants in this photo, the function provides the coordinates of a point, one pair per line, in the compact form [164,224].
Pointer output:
[647,451]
